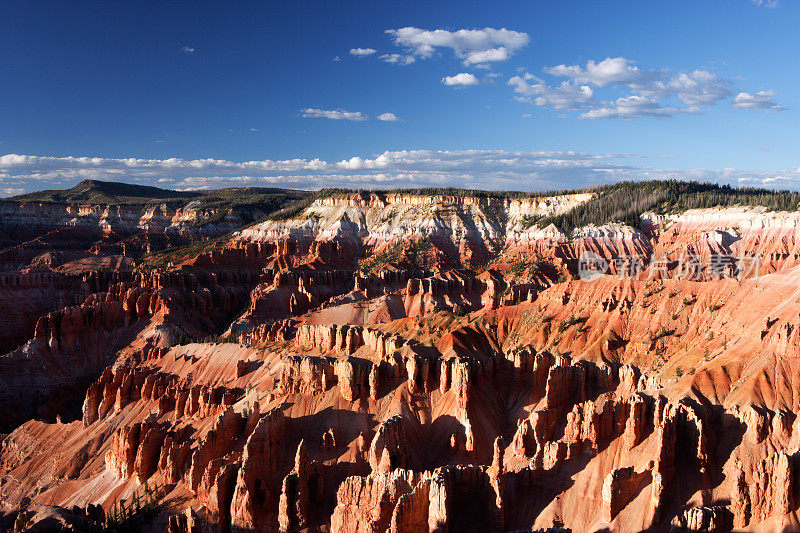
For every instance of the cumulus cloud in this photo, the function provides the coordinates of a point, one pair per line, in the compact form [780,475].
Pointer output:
[492,55]
[389,117]
[696,88]
[631,107]
[464,79]
[91,167]
[361,52]
[529,88]
[645,92]
[188,49]
[614,71]
[477,46]
[759,100]
[398,59]
[334,114]
[483,169]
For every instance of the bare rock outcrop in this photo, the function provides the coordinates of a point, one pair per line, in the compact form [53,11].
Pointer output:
[258,483]
[715,519]
[619,488]
[366,504]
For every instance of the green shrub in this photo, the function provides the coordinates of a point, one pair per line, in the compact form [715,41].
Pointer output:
[178,337]
[134,514]
[567,323]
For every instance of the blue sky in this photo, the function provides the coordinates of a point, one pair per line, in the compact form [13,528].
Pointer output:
[512,95]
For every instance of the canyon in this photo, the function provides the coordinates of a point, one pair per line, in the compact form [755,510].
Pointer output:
[402,361]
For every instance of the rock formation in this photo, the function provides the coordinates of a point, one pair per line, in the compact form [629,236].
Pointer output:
[400,362]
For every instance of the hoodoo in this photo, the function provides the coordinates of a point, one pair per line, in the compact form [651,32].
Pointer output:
[389,374]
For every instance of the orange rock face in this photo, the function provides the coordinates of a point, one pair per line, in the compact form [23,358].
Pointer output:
[287,380]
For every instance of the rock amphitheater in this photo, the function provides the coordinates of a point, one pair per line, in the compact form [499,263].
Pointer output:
[398,363]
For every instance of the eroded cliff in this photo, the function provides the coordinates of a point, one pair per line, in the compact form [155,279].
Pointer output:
[400,362]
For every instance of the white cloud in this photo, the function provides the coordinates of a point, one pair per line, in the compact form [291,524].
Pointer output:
[566,96]
[464,79]
[398,59]
[488,168]
[471,46]
[49,167]
[767,3]
[487,56]
[610,71]
[483,169]
[359,163]
[361,52]
[644,93]
[336,59]
[389,117]
[188,49]
[631,107]
[522,86]
[760,100]
[334,114]
[698,87]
